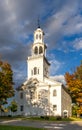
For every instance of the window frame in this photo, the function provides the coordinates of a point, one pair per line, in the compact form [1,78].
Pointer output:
[35,70]
[54,107]
[36,36]
[21,108]
[40,50]
[40,36]
[54,92]
[36,50]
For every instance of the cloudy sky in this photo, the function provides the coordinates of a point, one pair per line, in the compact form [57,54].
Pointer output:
[61,21]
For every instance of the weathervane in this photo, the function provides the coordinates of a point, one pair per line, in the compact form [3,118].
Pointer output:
[38,22]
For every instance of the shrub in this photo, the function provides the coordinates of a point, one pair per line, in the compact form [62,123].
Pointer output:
[58,118]
[45,117]
[9,115]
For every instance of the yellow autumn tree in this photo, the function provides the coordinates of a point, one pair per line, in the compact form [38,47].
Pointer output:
[74,83]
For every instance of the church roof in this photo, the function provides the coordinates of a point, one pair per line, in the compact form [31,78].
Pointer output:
[46,60]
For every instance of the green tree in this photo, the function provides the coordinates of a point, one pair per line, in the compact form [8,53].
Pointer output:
[6,82]
[13,106]
[74,83]
[75,109]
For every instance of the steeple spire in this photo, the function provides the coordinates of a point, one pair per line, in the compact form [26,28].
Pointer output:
[38,22]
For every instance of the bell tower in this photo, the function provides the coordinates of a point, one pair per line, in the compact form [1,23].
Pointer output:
[38,66]
[38,47]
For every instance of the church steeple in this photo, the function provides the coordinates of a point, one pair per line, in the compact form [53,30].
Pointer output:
[38,45]
[38,66]
[38,23]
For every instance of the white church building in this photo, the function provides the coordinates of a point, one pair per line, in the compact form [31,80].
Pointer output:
[40,95]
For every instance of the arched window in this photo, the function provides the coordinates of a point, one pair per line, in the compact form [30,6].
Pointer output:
[36,50]
[40,36]
[36,36]
[54,93]
[40,50]
[35,70]
[65,113]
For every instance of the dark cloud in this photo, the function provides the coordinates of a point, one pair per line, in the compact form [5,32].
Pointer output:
[18,20]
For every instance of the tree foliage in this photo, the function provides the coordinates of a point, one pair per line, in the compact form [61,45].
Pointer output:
[74,83]
[6,82]
[13,106]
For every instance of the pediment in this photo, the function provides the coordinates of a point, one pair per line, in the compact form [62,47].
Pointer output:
[31,83]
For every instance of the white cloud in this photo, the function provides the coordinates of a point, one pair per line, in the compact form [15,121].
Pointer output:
[59,78]
[55,66]
[78,44]
[19,19]
[65,22]
[74,25]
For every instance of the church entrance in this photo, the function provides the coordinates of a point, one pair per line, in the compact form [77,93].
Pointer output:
[65,113]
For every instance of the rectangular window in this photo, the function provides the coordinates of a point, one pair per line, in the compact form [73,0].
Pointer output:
[21,108]
[54,93]
[35,70]
[54,107]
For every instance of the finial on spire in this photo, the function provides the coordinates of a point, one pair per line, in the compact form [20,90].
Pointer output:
[38,22]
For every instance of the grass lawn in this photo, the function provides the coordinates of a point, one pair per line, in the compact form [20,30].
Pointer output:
[52,119]
[19,128]
[42,119]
